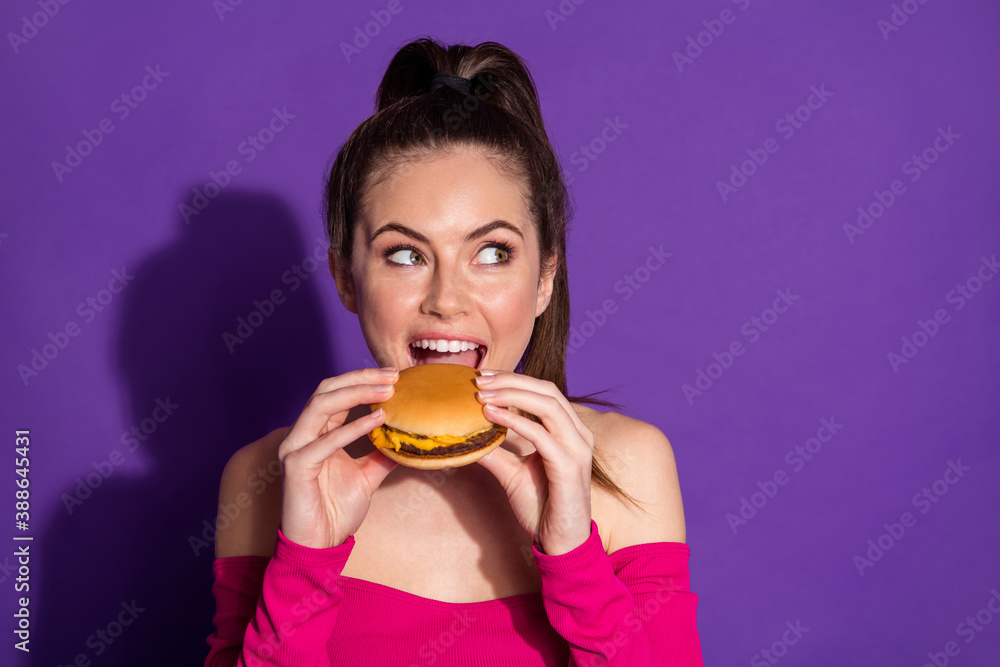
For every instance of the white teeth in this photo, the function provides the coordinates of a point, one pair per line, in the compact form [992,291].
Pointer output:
[442,345]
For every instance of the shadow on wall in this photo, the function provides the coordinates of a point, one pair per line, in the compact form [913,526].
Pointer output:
[128,571]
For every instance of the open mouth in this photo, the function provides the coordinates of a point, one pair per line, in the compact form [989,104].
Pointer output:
[442,351]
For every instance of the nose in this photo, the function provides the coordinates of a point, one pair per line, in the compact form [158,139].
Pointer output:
[447,294]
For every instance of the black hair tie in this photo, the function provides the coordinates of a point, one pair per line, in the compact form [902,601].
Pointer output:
[460,84]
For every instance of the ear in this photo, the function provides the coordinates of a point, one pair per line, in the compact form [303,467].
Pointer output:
[545,283]
[345,283]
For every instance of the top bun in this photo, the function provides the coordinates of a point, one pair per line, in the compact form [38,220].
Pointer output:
[435,399]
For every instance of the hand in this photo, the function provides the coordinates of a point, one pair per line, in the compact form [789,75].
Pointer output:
[326,493]
[549,490]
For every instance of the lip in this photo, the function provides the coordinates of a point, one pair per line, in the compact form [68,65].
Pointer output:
[438,335]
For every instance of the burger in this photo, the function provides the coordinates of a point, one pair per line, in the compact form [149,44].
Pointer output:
[433,419]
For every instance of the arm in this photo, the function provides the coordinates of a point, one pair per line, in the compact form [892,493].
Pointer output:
[278,612]
[272,594]
[298,605]
[237,585]
[634,609]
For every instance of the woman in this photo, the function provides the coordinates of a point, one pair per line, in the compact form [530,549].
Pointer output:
[565,546]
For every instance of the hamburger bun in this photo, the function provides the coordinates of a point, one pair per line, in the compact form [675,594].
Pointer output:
[433,419]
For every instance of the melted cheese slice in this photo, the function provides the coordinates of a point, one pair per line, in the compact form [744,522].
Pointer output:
[392,439]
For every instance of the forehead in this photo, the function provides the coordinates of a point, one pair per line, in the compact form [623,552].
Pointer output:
[449,191]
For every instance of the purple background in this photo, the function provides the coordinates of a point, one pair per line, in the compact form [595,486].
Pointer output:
[654,185]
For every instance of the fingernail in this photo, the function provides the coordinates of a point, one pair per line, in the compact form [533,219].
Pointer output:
[377,413]
[487,372]
[491,407]
[483,379]
[487,394]
[383,387]
[388,370]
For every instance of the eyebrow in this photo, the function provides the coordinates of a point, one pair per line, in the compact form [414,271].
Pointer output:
[479,232]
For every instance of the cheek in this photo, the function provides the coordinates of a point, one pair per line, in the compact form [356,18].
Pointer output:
[381,300]
[511,301]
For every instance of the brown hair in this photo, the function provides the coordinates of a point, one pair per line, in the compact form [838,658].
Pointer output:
[501,117]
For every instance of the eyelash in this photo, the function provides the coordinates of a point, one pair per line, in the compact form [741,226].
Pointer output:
[390,251]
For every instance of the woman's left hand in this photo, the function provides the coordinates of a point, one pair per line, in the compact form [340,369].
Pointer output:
[549,490]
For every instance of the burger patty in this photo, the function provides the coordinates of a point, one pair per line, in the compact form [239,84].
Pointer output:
[477,442]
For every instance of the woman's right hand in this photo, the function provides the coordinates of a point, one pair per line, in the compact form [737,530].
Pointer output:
[325,493]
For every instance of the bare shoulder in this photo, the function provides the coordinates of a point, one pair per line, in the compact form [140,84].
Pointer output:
[640,459]
[250,499]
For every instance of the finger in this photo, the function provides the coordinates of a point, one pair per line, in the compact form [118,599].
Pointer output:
[322,410]
[518,380]
[556,422]
[311,456]
[361,376]
[502,464]
[517,474]
[563,462]
[375,467]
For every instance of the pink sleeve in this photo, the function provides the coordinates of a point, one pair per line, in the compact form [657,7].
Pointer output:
[295,611]
[236,587]
[632,608]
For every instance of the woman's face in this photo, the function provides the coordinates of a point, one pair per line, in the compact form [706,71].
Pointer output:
[445,266]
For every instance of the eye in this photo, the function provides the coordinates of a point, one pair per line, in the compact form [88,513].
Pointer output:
[405,256]
[494,254]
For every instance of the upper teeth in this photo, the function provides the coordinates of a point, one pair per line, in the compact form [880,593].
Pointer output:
[443,345]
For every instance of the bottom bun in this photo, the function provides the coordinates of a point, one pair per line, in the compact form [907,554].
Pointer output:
[437,462]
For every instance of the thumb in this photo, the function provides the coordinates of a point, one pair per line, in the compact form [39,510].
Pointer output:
[374,468]
[502,464]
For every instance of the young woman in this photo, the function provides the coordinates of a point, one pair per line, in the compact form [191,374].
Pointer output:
[446,214]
